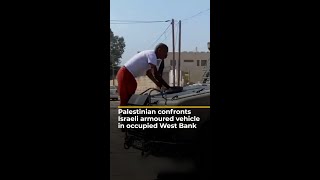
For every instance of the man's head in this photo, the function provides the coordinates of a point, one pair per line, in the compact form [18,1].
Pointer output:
[161,51]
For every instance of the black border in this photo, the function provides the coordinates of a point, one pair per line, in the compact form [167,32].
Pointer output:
[58,83]
[261,98]
[59,90]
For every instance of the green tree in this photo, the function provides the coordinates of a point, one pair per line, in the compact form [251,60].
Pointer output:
[117,46]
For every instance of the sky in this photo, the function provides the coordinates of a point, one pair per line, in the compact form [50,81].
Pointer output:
[195,27]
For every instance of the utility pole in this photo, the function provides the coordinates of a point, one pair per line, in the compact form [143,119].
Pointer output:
[179,61]
[173,61]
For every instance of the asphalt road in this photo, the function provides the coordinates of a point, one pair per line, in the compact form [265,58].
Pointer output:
[128,164]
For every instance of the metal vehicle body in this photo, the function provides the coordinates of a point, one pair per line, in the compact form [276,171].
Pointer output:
[167,140]
[193,143]
[174,141]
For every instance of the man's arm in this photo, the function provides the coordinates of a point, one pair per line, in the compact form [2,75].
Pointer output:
[157,76]
[161,67]
[153,79]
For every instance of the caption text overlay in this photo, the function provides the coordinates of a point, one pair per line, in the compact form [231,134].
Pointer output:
[151,117]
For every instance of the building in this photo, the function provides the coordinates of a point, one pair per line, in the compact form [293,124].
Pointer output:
[192,65]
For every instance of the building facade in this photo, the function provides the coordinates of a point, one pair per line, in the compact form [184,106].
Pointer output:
[192,65]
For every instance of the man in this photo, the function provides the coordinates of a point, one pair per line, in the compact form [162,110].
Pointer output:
[143,63]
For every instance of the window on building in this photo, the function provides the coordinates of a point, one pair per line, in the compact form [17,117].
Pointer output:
[189,61]
[198,62]
[203,62]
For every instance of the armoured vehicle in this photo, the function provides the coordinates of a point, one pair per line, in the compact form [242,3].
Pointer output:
[176,142]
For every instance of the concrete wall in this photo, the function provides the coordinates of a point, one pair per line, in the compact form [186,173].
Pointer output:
[195,69]
[170,82]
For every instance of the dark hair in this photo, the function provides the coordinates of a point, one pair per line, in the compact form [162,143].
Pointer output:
[161,45]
